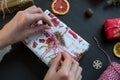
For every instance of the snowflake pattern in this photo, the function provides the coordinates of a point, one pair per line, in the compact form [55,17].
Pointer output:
[97,64]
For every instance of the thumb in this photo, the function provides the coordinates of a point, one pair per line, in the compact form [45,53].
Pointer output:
[55,63]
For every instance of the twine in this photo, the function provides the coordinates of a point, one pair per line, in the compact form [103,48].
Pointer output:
[20,1]
[56,46]
[98,45]
[113,27]
[106,55]
[4,5]
[117,25]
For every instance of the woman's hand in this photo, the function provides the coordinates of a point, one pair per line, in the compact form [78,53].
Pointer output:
[20,28]
[69,69]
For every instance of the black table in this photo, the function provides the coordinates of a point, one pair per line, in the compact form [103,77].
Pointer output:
[21,63]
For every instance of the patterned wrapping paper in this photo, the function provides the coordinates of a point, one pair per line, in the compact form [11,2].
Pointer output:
[112,28]
[59,38]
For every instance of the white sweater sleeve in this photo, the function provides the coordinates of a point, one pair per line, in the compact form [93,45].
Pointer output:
[4,51]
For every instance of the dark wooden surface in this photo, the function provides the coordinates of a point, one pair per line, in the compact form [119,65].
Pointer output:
[22,64]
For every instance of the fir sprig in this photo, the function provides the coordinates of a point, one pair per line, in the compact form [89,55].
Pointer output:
[113,2]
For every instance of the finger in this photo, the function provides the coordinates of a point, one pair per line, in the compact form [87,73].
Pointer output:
[66,65]
[40,10]
[46,19]
[34,9]
[78,74]
[74,68]
[38,29]
[55,64]
[53,68]
[42,28]
[36,17]
[80,78]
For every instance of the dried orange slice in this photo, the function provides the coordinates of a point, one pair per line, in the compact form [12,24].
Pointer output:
[60,7]
[116,49]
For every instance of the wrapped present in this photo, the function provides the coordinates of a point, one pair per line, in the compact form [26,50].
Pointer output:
[9,6]
[59,38]
[112,28]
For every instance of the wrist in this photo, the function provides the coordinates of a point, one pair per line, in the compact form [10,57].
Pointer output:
[4,40]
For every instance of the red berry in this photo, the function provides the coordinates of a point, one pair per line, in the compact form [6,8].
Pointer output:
[48,40]
[41,40]
[34,44]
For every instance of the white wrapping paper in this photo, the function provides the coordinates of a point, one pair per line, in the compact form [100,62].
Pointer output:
[60,38]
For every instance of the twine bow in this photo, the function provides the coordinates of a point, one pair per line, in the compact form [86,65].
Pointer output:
[56,47]
[117,26]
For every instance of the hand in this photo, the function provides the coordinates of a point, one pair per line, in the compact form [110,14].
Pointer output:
[20,26]
[69,69]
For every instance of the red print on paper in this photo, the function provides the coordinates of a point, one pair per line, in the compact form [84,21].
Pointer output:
[34,44]
[52,16]
[73,33]
[55,21]
[41,40]
[48,41]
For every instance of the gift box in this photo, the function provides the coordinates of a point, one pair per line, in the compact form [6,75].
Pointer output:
[112,28]
[59,38]
[9,6]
